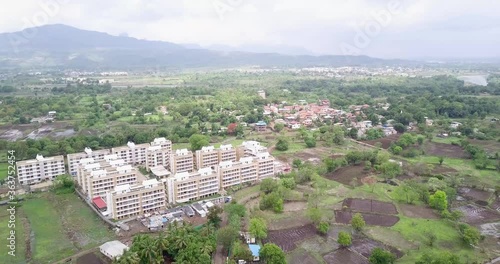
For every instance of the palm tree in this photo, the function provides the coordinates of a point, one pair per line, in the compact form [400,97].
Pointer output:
[162,243]
[148,252]
[206,247]
[128,257]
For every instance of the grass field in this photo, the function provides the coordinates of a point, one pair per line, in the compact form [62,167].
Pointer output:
[3,170]
[20,235]
[61,225]
[416,231]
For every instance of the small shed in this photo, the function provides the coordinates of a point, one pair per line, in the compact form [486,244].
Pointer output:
[113,249]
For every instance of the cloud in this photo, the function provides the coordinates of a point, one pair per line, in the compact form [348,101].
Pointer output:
[421,28]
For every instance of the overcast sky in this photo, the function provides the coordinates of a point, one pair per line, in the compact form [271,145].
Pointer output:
[402,28]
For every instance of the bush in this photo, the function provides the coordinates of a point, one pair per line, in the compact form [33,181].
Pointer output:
[344,239]
[288,183]
[323,227]
[358,222]
[470,235]
[438,201]
[380,256]
[282,144]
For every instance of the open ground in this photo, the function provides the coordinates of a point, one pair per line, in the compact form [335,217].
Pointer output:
[51,227]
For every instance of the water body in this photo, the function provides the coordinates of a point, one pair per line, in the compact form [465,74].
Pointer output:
[475,79]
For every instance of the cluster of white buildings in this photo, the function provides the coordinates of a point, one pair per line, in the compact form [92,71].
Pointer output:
[110,179]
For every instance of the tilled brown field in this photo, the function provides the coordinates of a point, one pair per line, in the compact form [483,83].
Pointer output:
[474,194]
[344,217]
[445,150]
[474,214]
[345,175]
[416,211]
[344,256]
[370,206]
[286,239]
[364,246]
[385,141]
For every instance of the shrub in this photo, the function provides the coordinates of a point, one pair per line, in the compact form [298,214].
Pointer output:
[344,239]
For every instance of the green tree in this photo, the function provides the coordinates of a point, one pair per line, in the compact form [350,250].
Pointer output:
[323,227]
[268,185]
[400,128]
[258,228]
[272,254]
[380,256]
[226,236]
[198,141]
[344,239]
[389,169]
[278,127]
[288,183]
[241,252]
[438,200]
[441,159]
[310,142]
[353,133]
[396,150]
[282,144]
[358,222]
[470,235]
[297,163]
[213,215]
[338,135]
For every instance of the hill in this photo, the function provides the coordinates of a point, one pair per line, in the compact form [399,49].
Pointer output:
[65,46]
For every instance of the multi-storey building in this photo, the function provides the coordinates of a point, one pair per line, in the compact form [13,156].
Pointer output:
[211,157]
[74,159]
[265,165]
[132,153]
[96,178]
[39,169]
[234,173]
[186,186]
[207,157]
[130,200]
[181,160]
[227,153]
[158,154]
[250,149]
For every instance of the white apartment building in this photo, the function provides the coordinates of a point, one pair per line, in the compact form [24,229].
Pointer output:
[250,149]
[131,200]
[39,169]
[181,160]
[158,154]
[234,173]
[211,157]
[132,153]
[96,178]
[185,186]
[207,157]
[227,153]
[265,165]
[74,159]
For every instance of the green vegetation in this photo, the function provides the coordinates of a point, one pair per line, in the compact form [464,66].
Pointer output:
[258,228]
[53,218]
[380,256]
[344,239]
[357,222]
[271,253]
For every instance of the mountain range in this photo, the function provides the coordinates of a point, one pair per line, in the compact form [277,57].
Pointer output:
[65,46]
